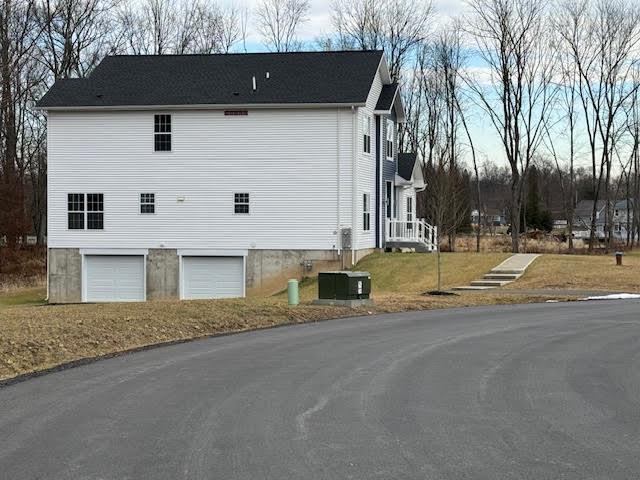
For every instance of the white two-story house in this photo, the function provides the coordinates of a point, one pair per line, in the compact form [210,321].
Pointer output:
[205,176]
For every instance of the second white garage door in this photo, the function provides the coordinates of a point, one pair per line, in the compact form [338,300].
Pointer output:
[212,277]
[114,278]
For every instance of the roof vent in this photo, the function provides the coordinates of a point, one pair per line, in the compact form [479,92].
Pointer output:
[254,83]
[267,75]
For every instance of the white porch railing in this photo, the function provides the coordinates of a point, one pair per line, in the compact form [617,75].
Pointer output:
[412,231]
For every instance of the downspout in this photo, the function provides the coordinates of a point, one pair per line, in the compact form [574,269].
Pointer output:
[382,191]
[354,186]
[338,231]
[48,216]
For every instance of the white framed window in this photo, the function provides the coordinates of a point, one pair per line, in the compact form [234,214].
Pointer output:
[366,134]
[162,133]
[85,211]
[147,203]
[389,139]
[241,203]
[366,212]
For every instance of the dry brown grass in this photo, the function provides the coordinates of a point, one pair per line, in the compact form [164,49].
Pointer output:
[39,337]
[502,243]
[22,268]
[582,272]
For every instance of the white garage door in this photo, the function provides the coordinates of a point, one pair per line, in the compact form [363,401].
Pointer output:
[212,277]
[114,278]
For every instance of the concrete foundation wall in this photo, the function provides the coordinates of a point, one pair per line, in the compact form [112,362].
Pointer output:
[163,274]
[65,275]
[267,271]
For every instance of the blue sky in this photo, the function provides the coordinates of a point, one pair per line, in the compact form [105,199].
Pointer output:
[485,137]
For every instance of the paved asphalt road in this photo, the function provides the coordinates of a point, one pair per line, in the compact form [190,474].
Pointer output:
[544,391]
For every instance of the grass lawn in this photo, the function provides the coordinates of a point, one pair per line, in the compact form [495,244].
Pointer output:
[415,273]
[26,296]
[583,272]
[36,337]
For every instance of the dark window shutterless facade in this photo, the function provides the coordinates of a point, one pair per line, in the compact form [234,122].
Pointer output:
[147,203]
[241,203]
[85,210]
[162,133]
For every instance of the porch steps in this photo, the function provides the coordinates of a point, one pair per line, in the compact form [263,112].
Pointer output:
[508,271]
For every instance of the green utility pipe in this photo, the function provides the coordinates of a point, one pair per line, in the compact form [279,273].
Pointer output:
[292,292]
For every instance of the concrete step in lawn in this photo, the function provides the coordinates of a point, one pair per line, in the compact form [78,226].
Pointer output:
[489,283]
[508,271]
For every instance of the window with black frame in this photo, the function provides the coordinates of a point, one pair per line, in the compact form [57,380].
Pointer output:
[366,212]
[95,211]
[147,203]
[85,211]
[75,211]
[162,133]
[241,203]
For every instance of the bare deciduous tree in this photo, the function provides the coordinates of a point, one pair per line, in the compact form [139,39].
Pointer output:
[278,21]
[397,26]
[511,37]
[602,38]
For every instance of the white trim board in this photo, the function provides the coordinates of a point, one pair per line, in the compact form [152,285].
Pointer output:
[114,251]
[202,252]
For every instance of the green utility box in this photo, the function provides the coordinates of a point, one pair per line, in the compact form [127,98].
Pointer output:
[344,285]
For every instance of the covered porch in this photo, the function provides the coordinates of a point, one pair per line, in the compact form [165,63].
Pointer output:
[417,234]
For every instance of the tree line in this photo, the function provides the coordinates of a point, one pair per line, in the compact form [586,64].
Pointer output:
[556,81]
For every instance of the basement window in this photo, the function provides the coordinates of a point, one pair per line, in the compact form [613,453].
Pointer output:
[241,203]
[162,133]
[147,203]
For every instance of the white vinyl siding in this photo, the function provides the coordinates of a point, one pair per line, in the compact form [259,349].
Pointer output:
[287,158]
[367,173]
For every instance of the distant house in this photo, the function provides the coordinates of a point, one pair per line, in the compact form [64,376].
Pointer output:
[583,214]
[493,217]
[623,218]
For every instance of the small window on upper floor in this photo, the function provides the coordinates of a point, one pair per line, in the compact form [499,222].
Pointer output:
[240,203]
[147,203]
[366,134]
[389,139]
[162,133]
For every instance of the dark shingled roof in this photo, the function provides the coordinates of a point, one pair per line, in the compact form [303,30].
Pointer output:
[406,162]
[294,78]
[388,93]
